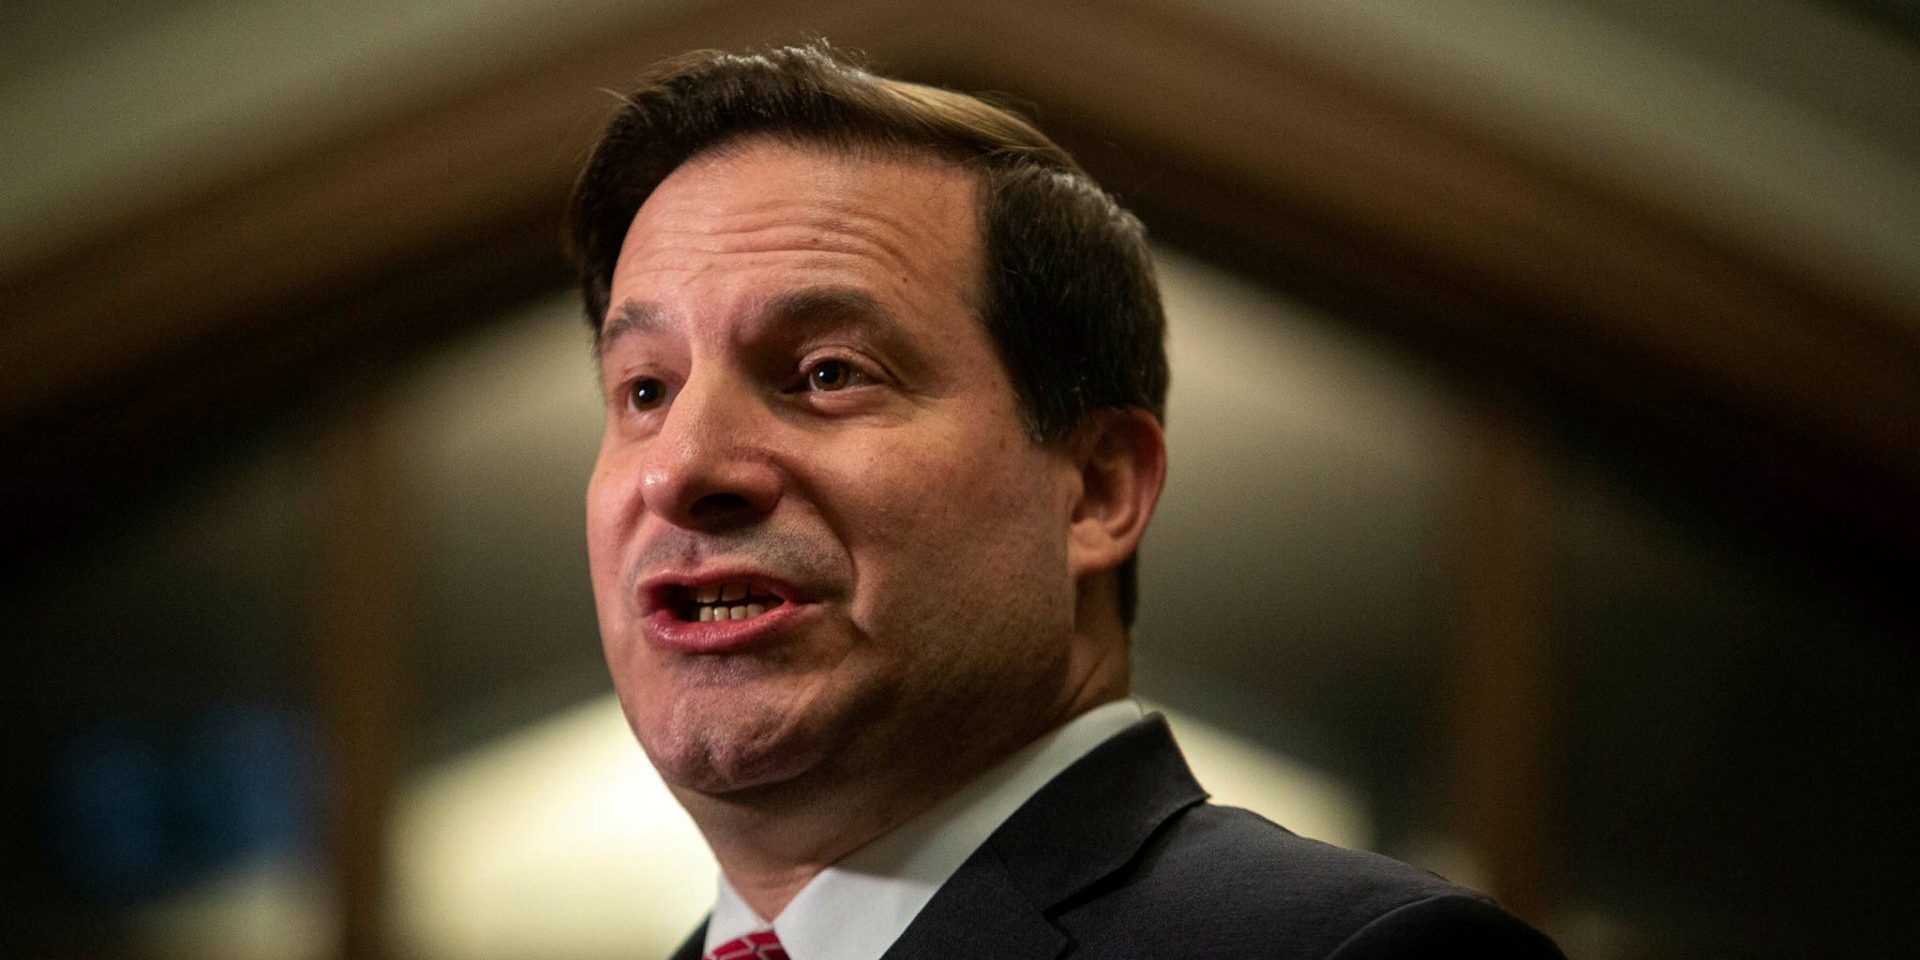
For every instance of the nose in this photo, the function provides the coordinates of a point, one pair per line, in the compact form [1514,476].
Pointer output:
[710,468]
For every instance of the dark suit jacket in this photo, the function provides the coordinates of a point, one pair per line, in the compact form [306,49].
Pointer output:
[1122,857]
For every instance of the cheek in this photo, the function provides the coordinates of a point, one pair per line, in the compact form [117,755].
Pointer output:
[611,508]
[956,520]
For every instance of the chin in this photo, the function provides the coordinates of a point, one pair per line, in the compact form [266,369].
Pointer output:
[724,749]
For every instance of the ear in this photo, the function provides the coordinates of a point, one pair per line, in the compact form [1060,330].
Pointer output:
[1122,459]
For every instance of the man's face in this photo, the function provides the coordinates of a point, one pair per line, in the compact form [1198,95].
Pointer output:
[802,406]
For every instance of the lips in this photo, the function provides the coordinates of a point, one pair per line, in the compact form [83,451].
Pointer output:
[717,613]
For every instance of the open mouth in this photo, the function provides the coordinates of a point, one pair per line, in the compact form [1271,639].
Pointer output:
[713,602]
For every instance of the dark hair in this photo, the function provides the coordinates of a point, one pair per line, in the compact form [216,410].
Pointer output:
[1068,295]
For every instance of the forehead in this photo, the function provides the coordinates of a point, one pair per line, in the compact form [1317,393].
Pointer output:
[734,221]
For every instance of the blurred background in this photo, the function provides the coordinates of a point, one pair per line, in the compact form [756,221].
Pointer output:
[1545,435]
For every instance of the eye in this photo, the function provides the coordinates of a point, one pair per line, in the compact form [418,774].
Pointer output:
[828,375]
[646,393]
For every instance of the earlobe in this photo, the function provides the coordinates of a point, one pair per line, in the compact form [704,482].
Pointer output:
[1122,459]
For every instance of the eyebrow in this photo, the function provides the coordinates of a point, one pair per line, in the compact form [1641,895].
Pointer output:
[627,318]
[808,306]
[818,305]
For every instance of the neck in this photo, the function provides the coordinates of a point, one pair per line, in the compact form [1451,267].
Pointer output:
[771,841]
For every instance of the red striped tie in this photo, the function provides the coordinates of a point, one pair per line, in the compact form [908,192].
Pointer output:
[754,946]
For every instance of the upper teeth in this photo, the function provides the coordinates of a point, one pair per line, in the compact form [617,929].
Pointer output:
[722,591]
[717,601]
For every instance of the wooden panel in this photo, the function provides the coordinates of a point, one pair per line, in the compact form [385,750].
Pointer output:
[1503,693]
[356,612]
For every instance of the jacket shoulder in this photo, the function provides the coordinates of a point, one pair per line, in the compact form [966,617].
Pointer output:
[1221,881]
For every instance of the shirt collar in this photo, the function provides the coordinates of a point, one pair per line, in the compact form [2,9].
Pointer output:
[857,908]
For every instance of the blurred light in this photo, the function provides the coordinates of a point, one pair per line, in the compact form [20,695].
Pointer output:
[107,819]
[141,809]
[244,785]
[558,841]
[269,908]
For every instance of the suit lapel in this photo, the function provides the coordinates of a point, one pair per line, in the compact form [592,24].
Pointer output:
[979,913]
[1094,817]
[690,949]
[1088,822]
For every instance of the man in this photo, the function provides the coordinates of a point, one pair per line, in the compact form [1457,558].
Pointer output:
[884,377]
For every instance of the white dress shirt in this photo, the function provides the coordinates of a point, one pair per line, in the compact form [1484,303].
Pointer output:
[856,908]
